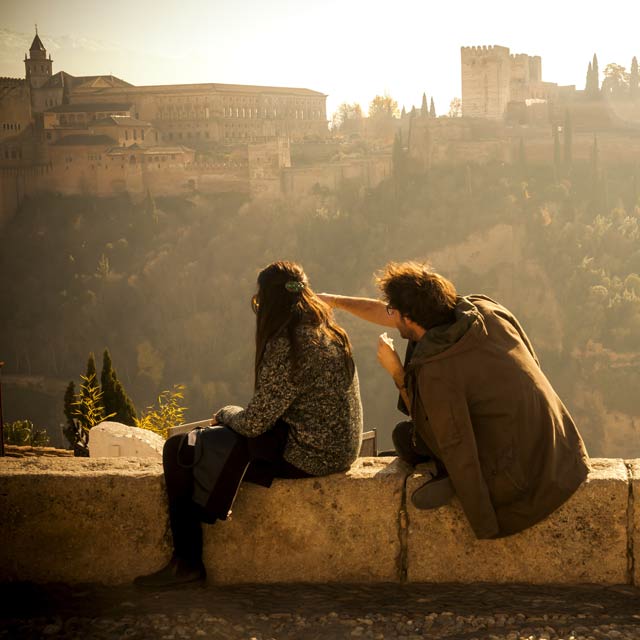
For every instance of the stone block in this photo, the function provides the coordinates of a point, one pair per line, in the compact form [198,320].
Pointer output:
[585,541]
[339,528]
[81,520]
[117,440]
[634,520]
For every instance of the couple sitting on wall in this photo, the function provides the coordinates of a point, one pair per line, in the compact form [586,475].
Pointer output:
[481,409]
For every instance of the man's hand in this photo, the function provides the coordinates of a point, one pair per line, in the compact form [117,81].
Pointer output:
[214,420]
[389,359]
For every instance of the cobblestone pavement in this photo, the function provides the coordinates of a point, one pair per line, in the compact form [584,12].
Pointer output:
[327,612]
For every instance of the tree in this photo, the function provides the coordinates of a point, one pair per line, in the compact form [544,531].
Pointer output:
[587,84]
[557,158]
[70,431]
[432,109]
[346,112]
[404,112]
[616,80]
[87,411]
[398,159]
[568,141]
[115,399]
[592,87]
[383,106]
[522,156]
[455,108]
[634,80]
[424,109]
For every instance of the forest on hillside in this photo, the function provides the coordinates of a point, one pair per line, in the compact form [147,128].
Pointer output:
[165,283]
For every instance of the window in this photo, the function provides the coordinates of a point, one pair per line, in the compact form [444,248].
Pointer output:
[142,133]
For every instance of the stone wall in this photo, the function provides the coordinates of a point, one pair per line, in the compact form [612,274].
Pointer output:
[59,519]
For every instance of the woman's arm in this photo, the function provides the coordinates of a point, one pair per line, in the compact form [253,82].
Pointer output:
[366,308]
[274,394]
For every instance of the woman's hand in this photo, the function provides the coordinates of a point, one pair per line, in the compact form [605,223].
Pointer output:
[214,420]
[389,359]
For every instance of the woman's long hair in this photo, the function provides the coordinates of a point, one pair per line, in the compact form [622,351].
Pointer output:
[284,302]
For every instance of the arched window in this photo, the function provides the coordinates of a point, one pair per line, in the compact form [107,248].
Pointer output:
[132,159]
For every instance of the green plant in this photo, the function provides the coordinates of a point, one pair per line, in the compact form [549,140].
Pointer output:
[86,412]
[114,397]
[25,433]
[168,413]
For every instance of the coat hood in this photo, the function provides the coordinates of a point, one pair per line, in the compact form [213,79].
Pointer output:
[468,322]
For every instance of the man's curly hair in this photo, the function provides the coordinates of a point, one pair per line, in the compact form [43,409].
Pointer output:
[418,293]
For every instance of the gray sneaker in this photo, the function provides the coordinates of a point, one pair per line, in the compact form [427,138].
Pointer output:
[434,493]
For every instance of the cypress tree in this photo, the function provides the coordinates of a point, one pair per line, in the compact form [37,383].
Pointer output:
[432,109]
[587,85]
[413,111]
[634,80]
[404,112]
[522,156]
[568,141]
[424,109]
[595,75]
[114,397]
[557,159]
[71,430]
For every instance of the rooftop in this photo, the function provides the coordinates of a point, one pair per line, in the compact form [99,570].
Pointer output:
[85,140]
[89,108]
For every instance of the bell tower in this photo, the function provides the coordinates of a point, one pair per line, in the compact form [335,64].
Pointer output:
[38,67]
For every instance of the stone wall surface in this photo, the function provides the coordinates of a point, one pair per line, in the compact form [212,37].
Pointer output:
[634,520]
[81,519]
[341,528]
[583,541]
[77,520]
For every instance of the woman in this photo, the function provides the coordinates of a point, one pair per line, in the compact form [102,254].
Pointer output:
[305,417]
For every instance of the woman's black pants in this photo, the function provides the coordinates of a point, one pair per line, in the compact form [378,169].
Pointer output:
[264,455]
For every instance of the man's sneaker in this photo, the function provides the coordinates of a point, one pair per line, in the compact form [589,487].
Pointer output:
[434,493]
[175,573]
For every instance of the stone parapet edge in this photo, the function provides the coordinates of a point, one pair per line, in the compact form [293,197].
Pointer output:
[141,467]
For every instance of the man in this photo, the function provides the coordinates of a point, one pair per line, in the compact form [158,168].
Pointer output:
[480,405]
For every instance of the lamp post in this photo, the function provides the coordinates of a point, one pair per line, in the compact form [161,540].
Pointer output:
[1,419]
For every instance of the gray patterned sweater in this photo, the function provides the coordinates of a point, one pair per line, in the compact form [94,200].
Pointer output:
[321,403]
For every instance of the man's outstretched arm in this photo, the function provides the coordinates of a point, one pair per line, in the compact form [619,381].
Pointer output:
[366,308]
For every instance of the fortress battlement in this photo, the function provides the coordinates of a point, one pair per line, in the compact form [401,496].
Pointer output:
[484,50]
[11,82]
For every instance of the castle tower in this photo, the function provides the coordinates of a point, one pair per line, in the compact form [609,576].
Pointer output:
[38,67]
[486,78]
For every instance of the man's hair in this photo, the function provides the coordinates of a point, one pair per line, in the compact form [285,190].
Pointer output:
[418,293]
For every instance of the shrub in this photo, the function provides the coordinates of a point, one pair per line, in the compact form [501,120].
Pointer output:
[168,413]
[25,434]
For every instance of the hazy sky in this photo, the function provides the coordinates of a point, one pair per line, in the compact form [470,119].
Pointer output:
[349,49]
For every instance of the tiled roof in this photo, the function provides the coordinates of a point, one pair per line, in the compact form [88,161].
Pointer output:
[232,88]
[120,121]
[89,108]
[149,151]
[84,140]
[62,79]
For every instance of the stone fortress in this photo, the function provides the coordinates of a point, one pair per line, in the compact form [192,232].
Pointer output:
[100,135]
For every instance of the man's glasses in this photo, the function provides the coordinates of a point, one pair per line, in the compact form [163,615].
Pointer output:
[255,305]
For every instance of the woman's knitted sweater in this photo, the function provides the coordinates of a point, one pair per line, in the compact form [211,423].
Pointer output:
[320,403]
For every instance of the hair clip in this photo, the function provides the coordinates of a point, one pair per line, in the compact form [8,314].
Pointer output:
[294,286]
